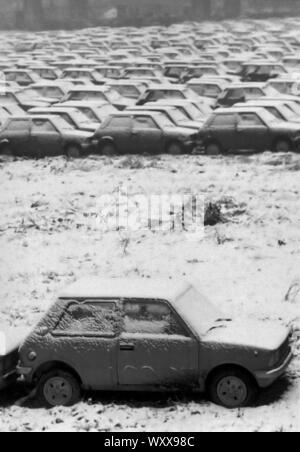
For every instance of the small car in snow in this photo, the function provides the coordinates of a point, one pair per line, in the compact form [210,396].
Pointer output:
[42,135]
[143,132]
[247,128]
[144,335]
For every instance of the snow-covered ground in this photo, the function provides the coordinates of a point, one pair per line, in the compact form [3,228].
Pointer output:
[49,237]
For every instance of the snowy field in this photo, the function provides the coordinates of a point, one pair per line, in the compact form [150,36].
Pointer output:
[246,265]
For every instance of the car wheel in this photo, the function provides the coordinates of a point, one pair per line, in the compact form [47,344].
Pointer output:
[282,145]
[108,149]
[58,388]
[73,152]
[213,148]
[232,388]
[175,148]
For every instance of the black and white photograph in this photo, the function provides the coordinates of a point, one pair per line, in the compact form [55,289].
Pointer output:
[150,218]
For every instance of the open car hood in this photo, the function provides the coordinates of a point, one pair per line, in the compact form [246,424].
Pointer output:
[249,334]
[11,339]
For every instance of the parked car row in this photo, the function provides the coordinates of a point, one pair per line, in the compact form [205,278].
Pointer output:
[153,89]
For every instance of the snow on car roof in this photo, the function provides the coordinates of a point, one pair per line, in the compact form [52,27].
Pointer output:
[126,288]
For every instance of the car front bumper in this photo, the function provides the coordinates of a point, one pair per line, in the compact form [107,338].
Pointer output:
[267,378]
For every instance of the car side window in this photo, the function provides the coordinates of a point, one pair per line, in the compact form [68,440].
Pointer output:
[42,126]
[89,319]
[224,120]
[250,119]
[144,122]
[151,317]
[120,123]
[18,125]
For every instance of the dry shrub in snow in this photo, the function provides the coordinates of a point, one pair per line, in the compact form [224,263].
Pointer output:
[131,162]
[293,294]
[213,214]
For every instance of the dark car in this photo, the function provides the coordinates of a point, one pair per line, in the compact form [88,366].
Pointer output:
[149,335]
[38,136]
[144,132]
[247,128]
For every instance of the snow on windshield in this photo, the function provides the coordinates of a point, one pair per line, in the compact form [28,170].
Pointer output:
[198,312]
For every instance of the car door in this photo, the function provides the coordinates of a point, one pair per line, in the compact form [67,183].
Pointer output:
[119,129]
[45,139]
[155,348]
[87,339]
[147,136]
[16,134]
[222,129]
[251,133]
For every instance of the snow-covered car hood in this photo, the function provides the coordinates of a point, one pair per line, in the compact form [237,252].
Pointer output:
[250,334]
[11,339]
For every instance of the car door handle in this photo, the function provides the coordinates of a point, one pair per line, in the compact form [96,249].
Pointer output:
[127,347]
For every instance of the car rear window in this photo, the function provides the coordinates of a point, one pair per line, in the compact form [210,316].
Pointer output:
[89,319]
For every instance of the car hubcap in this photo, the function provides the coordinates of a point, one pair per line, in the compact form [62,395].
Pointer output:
[232,391]
[58,391]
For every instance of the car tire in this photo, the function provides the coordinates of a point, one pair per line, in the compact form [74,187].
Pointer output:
[232,388]
[174,148]
[108,148]
[213,148]
[282,145]
[73,152]
[58,388]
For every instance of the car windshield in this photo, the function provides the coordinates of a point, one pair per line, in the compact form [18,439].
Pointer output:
[113,95]
[62,124]
[164,121]
[199,313]
[28,94]
[88,112]
[270,91]
[178,115]
[293,107]
[193,112]
[288,114]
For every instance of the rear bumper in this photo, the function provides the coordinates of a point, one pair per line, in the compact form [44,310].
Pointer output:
[267,378]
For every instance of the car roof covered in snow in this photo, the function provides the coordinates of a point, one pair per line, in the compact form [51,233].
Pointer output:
[91,288]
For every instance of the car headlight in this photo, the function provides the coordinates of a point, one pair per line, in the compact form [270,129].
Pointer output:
[274,359]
